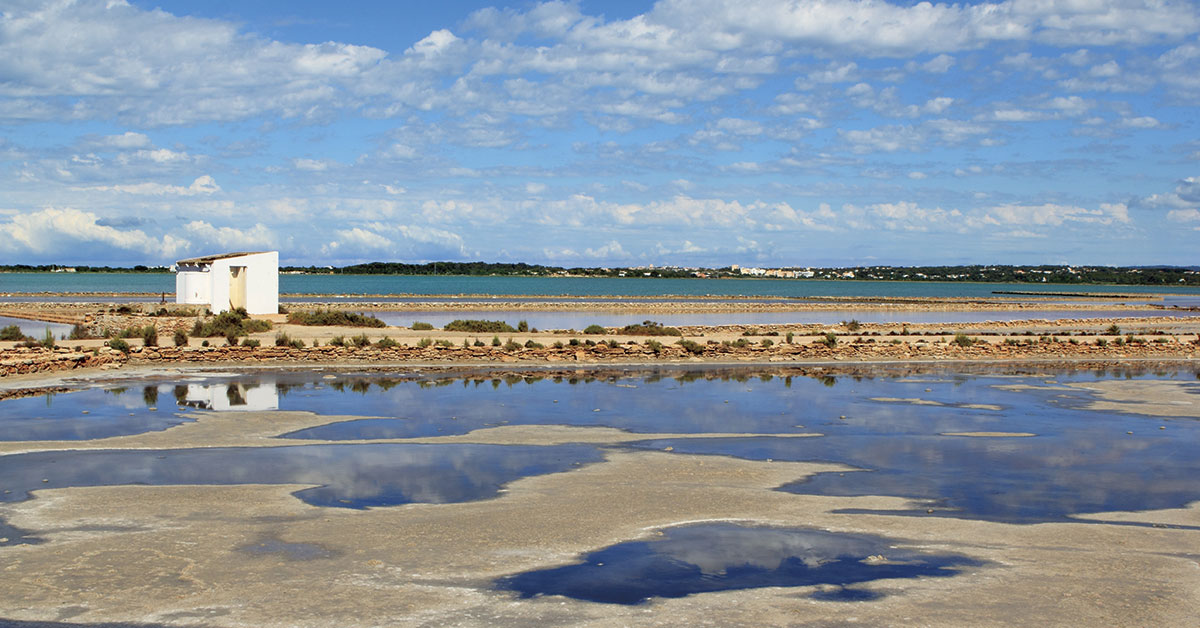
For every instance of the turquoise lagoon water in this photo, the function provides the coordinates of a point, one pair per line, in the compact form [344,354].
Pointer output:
[561,286]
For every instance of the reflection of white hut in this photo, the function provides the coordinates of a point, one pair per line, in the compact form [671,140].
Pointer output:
[233,396]
[229,281]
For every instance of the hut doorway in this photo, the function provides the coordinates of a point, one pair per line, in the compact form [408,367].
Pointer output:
[237,287]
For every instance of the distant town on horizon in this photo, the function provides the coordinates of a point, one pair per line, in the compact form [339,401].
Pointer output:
[991,273]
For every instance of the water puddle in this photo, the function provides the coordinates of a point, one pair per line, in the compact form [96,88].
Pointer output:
[723,556]
[345,476]
[946,447]
[670,402]
[88,414]
[1014,480]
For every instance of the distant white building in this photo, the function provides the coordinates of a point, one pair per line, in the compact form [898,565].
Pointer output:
[229,281]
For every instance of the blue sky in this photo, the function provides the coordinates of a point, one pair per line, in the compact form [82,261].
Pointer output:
[686,132]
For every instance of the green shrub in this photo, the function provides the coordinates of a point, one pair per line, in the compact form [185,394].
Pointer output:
[251,342]
[78,332]
[655,346]
[445,343]
[282,340]
[649,328]
[425,342]
[478,326]
[234,323]
[522,326]
[180,338]
[789,337]
[420,326]
[529,344]
[119,344]
[574,342]
[595,329]
[224,324]
[253,325]
[360,341]
[337,341]
[495,341]
[1113,330]
[387,343]
[11,333]
[830,340]
[150,336]
[511,346]
[1100,342]
[334,318]
[231,339]
[478,343]
[852,325]
[767,342]
[47,340]
[963,340]
[558,344]
[691,346]
[613,344]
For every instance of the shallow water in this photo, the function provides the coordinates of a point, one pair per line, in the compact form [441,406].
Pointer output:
[344,476]
[567,319]
[88,414]
[893,428]
[160,283]
[723,556]
[37,329]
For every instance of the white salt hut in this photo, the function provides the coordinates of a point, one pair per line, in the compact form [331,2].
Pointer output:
[229,281]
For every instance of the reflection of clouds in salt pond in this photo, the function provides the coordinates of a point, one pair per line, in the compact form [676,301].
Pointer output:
[1079,461]
[132,407]
[648,405]
[344,475]
[1036,479]
[715,550]
[722,556]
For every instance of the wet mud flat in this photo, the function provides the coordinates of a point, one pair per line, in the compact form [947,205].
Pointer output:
[644,496]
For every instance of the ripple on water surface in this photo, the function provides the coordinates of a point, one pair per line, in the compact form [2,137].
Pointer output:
[723,556]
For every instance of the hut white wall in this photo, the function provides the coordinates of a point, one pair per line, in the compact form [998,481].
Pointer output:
[262,282]
[193,286]
[209,284]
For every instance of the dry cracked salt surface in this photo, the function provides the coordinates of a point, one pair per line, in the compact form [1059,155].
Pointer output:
[255,555]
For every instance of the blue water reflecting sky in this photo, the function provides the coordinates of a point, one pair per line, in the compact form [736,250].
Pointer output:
[893,427]
[724,556]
